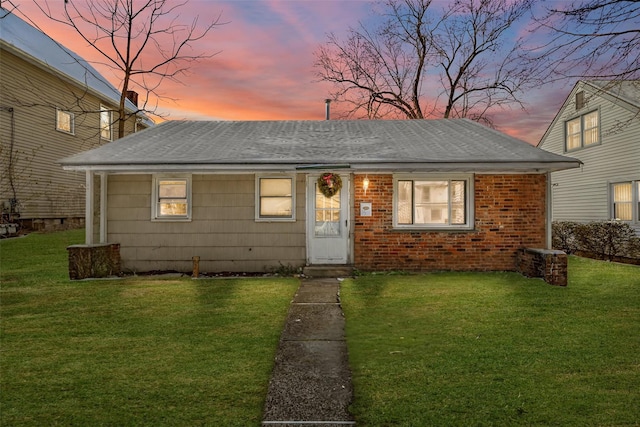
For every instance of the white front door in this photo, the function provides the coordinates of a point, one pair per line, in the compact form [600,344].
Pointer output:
[327,223]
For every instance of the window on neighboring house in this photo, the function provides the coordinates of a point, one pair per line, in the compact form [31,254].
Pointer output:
[105,123]
[582,131]
[424,202]
[275,198]
[65,121]
[171,198]
[624,196]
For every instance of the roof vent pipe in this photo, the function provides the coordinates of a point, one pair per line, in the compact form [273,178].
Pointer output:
[327,109]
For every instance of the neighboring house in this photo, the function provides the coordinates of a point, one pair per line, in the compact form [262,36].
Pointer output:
[247,196]
[599,124]
[52,104]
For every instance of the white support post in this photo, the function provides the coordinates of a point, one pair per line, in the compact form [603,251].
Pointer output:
[549,213]
[88,209]
[103,207]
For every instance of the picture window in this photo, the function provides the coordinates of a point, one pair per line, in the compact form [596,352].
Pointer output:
[438,202]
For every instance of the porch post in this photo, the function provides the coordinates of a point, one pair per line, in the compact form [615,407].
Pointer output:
[103,207]
[88,208]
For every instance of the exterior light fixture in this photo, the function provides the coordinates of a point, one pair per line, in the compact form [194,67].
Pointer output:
[365,184]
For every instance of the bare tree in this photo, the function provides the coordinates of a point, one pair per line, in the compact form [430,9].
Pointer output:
[427,62]
[141,40]
[597,39]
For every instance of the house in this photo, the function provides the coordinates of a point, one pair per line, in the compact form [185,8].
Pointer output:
[599,124]
[52,104]
[376,195]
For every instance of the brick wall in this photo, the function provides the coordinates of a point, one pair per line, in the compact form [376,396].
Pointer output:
[548,264]
[509,215]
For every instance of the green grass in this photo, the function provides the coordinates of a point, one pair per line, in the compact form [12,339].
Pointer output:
[435,349]
[135,351]
[496,349]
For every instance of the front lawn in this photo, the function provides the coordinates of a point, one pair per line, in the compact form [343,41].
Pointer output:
[134,351]
[465,349]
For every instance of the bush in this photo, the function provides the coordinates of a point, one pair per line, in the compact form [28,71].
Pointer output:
[601,239]
[564,236]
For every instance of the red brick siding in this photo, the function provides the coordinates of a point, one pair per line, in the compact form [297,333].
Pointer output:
[509,214]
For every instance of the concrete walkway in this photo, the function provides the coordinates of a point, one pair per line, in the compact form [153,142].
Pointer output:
[311,380]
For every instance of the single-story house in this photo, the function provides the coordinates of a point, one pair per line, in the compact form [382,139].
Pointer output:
[249,196]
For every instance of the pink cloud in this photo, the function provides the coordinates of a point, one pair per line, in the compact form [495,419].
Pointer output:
[264,68]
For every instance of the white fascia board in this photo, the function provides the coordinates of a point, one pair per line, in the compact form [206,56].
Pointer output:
[188,168]
[480,167]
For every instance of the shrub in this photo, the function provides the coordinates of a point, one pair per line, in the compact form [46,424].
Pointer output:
[564,236]
[601,239]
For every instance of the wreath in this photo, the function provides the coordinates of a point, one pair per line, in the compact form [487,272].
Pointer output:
[329,184]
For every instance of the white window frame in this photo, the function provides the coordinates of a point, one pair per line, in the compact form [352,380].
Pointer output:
[582,132]
[72,121]
[106,111]
[155,212]
[258,198]
[635,201]
[469,201]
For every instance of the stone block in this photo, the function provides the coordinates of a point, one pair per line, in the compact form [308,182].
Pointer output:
[548,264]
[94,261]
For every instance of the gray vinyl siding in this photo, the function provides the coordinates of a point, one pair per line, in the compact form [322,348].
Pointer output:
[223,231]
[43,189]
[584,194]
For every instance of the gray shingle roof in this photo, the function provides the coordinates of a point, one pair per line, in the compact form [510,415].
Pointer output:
[362,144]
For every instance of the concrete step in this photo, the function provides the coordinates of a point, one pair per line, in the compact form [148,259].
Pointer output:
[328,271]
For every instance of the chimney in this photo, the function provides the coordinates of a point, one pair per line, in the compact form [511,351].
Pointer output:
[327,109]
[133,97]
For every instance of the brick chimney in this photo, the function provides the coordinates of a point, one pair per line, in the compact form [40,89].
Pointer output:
[133,97]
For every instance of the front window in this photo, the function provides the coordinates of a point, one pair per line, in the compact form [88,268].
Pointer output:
[275,198]
[65,121]
[625,201]
[433,203]
[105,123]
[172,197]
[582,131]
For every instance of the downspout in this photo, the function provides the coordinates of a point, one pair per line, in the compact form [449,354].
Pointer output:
[88,209]
[549,215]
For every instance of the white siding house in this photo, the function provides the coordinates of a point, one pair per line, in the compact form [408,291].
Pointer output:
[599,124]
[53,104]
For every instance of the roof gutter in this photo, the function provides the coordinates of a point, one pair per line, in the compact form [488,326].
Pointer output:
[474,167]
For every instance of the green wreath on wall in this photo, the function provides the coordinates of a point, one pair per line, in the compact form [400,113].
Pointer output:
[329,184]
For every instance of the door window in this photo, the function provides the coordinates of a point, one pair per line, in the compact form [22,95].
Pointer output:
[327,215]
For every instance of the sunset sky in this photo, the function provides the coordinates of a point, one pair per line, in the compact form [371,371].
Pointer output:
[264,66]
